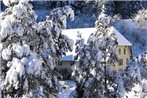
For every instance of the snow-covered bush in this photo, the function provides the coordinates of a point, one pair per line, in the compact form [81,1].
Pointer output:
[29,50]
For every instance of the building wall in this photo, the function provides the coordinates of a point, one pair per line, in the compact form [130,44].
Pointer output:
[65,69]
[124,54]
[65,65]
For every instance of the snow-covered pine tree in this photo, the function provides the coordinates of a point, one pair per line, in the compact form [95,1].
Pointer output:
[141,18]
[119,90]
[126,9]
[109,8]
[132,78]
[29,50]
[143,65]
[92,71]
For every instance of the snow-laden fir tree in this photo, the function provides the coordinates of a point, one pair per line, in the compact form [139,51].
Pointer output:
[142,60]
[132,74]
[92,71]
[141,18]
[125,9]
[141,73]
[29,50]
[132,79]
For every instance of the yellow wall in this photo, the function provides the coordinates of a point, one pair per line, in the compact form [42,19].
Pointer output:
[123,56]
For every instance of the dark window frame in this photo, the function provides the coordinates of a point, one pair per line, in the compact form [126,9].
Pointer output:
[124,50]
[119,51]
[120,62]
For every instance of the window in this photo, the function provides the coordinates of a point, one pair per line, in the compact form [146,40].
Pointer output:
[127,60]
[119,51]
[60,63]
[124,51]
[120,62]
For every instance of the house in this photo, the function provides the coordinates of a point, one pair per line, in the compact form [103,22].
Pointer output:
[123,50]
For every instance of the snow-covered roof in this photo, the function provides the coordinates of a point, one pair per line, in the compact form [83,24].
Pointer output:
[122,41]
[86,32]
[67,58]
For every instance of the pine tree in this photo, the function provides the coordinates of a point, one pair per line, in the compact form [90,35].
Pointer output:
[143,65]
[92,70]
[30,51]
[141,18]
[132,78]
[109,8]
[126,9]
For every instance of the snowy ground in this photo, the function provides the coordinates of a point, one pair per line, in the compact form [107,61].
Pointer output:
[138,91]
[144,86]
[144,95]
[68,87]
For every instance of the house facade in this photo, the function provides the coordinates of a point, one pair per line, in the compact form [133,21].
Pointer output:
[66,62]
[123,50]
[124,54]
